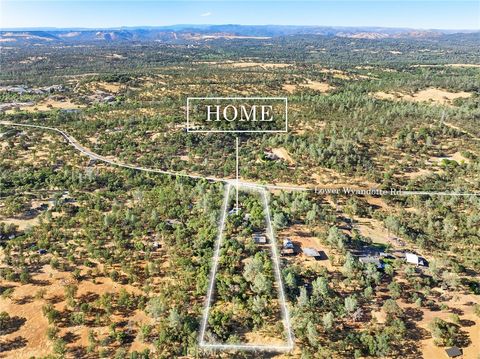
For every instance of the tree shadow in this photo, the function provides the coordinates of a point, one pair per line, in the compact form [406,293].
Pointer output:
[40,282]
[434,307]
[55,299]
[413,314]
[457,311]
[12,344]
[463,339]
[3,288]
[13,324]
[78,351]
[409,348]
[88,297]
[467,323]
[415,332]
[25,300]
[70,337]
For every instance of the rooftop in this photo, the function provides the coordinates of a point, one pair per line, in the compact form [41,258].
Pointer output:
[454,352]
[310,252]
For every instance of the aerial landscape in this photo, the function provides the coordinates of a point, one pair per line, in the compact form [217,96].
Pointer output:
[349,228]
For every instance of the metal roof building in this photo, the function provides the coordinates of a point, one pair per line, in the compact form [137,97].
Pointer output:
[373,260]
[259,239]
[310,252]
[454,352]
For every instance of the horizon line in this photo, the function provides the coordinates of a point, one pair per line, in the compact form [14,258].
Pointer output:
[123,27]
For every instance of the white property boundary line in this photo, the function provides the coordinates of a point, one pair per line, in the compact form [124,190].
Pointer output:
[216,255]
[237,98]
[71,140]
[278,277]
[237,161]
[278,273]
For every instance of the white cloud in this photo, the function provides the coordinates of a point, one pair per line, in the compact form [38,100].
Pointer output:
[206,14]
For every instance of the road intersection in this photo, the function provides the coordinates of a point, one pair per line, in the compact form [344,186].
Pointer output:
[85,151]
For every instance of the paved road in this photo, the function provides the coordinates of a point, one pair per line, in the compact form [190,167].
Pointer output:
[71,140]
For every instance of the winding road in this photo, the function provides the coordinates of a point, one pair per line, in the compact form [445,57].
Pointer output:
[72,141]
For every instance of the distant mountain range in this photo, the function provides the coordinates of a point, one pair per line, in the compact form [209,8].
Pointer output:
[180,33]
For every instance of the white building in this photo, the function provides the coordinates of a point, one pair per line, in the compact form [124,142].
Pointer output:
[415,259]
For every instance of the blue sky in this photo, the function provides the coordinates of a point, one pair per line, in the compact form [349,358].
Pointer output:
[115,13]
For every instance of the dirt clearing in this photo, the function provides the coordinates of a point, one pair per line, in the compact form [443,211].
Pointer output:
[283,154]
[48,105]
[433,95]
[318,86]
[457,156]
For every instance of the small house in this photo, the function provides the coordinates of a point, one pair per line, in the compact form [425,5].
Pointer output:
[386,255]
[287,243]
[17,89]
[70,110]
[287,252]
[372,260]
[234,211]
[270,156]
[53,88]
[454,352]
[172,222]
[259,238]
[416,259]
[42,207]
[311,252]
